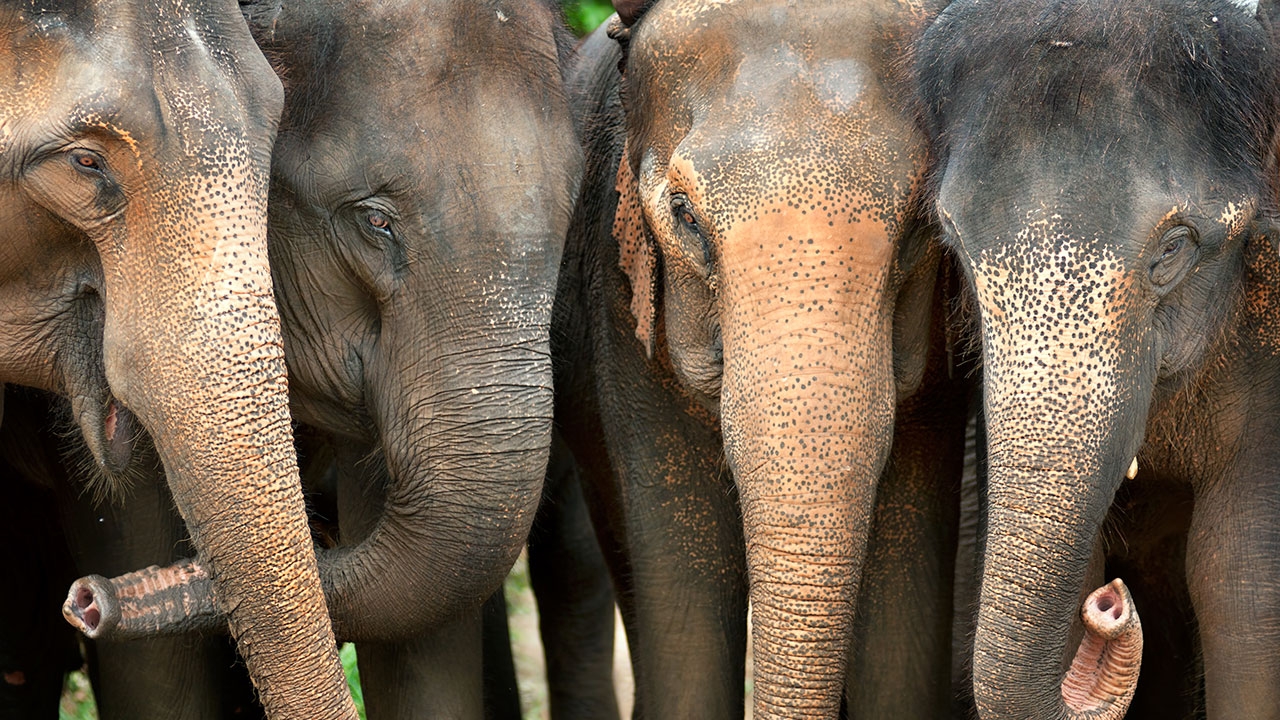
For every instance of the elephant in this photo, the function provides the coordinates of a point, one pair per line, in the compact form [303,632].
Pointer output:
[414,244]
[135,138]
[1105,174]
[754,366]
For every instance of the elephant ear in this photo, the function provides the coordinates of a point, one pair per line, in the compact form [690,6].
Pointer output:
[636,254]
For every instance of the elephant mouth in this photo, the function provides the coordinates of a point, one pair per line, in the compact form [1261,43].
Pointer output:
[110,431]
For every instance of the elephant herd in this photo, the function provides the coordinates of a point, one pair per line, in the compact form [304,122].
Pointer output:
[943,336]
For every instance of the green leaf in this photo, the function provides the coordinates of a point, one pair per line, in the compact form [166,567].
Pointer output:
[348,656]
[586,15]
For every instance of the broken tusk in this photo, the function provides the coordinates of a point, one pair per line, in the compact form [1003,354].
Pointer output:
[1133,469]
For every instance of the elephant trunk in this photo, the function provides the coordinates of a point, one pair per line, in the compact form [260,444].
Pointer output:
[807,406]
[1066,403]
[465,443]
[192,348]
[211,388]
[1030,594]
[466,453]
[452,524]
[1104,672]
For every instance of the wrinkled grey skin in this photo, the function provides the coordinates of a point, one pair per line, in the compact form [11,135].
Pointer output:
[1106,174]
[421,187]
[135,139]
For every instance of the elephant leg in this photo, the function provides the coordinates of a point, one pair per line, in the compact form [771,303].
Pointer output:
[179,678]
[1233,562]
[667,518]
[436,675]
[501,688]
[688,605]
[575,598]
[1149,529]
[972,530]
[901,664]
[439,674]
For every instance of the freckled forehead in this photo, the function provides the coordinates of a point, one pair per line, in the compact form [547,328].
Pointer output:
[688,29]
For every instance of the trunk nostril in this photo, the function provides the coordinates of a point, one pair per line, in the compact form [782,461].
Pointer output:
[84,598]
[1106,602]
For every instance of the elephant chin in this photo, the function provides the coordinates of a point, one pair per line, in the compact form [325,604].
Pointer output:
[1104,673]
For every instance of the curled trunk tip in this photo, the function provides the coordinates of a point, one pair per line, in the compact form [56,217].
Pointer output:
[150,602]
[1104,673]
[91,606]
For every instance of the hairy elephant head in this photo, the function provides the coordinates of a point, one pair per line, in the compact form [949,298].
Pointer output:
[421,190]
[1100,166]
[765,223]
[135,137]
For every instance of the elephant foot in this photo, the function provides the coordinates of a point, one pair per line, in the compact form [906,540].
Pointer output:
[150,602]
[1104,674]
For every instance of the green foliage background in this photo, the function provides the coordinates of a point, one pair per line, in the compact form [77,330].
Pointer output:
[583,16]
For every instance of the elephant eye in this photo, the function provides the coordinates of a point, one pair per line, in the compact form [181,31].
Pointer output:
[680,206]
[686,218]
[1175,255]
[87,161]
[378,222]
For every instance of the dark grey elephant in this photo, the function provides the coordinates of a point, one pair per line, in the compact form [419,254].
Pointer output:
[135,137]
[422,183]
[1106,173]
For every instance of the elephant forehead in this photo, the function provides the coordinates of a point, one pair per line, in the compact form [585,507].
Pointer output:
[839,169]
[74,73]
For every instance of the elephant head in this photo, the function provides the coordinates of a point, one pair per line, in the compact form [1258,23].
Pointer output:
[422,183]
[135,140]
[1099,168]
[765,223]
[415,238]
